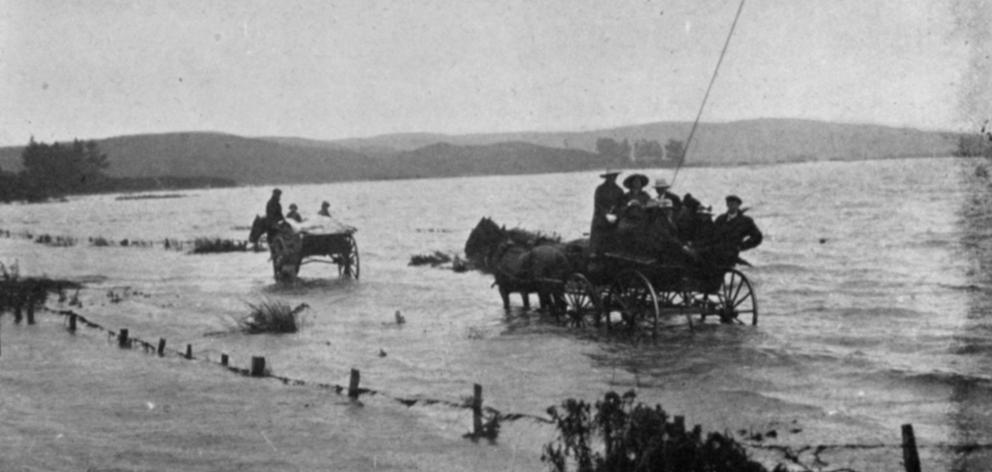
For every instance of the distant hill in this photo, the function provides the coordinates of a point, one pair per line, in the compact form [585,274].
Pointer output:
[735,143]
[298,160]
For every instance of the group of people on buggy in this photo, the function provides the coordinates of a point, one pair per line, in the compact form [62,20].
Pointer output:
[666,228]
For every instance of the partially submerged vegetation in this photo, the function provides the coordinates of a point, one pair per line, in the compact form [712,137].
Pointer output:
[25,294]
[624,436]
[213,245]
[272,316]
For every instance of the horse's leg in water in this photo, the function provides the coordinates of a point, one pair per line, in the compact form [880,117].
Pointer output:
[505,295]
[525,296]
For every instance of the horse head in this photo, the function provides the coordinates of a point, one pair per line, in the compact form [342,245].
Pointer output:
[257,229]
[485,237]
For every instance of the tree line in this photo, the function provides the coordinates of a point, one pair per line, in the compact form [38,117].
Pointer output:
[56,170]
[642,151]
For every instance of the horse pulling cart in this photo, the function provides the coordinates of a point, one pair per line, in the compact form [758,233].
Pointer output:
[291,248]
[644,292]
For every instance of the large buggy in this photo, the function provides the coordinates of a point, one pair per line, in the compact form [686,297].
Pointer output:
[643,292]
[290,250]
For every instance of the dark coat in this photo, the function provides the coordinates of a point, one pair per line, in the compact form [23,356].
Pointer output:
[641,197]
[739,233]
[607,199]
[273,211]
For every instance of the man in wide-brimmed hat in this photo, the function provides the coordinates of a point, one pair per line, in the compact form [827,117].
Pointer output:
[608,197]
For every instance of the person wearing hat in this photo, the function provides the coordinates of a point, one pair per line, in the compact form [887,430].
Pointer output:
[293,214]
[607,198]
[273,212]
[636,195]
[325,209]
[733,232]
[661,187]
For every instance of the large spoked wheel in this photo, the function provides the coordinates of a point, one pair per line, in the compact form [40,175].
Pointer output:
[582,301]
[350,264]
[285,263]
[633,296]
[737,301]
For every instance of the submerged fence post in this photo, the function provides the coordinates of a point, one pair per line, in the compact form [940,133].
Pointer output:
[477,410]
[72,322]
[257,366]
[122,340]
[353,383]
[189,351]
[161,347]
[223,359]
[910,457]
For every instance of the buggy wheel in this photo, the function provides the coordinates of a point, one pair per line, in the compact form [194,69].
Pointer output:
[284,263]
[350,264]
[633,296]
[581,300]
[737,299]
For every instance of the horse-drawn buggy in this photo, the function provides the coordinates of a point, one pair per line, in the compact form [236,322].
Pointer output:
[615,286]
[292,246]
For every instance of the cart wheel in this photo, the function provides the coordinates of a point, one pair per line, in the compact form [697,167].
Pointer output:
[736,299]
[350,264]
[633,296]
[581,300]
[284,266]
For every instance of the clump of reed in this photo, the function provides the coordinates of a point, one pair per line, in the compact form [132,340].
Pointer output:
[18,294]
[622,435]
[272,316]
[433,259]
[212,245]
[99,241]
[56,241]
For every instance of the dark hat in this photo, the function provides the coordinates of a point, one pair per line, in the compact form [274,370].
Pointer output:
[292,206]
[691,201]
[733,198]
[276,191]
[630,180]
[325,204]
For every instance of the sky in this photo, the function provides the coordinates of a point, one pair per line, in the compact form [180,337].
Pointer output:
[329,69]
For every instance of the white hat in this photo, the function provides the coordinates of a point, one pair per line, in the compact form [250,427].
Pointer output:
[661,182]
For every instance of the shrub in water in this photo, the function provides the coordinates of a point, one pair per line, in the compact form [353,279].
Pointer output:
[634,438]
[272,316]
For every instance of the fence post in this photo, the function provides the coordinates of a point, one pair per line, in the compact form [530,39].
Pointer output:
[72,322]
[353,383]
[122,341]
[161,347]
[477,410]
[223,359]
[910,457]
[189,351]
[257,366]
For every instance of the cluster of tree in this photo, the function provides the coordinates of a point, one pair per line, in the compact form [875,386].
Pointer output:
[643,150]
[55,170]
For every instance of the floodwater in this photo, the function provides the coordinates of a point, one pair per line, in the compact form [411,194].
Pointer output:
[873,282]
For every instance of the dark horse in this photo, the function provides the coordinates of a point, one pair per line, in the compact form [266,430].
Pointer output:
[520,265]
[258,227]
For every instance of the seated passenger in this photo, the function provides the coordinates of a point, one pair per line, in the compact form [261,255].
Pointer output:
[636,195]
[661,187]
[325,209]
[293,214]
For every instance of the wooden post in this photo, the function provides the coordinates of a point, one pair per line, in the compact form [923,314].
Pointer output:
[353,383]
[189,351]
[223,360]
[161,347]
[72,322]
[477,410]
[257,366]
[910,457]
[122,340]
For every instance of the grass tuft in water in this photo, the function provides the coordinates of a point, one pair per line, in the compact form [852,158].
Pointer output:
[213,245]
[272,316]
